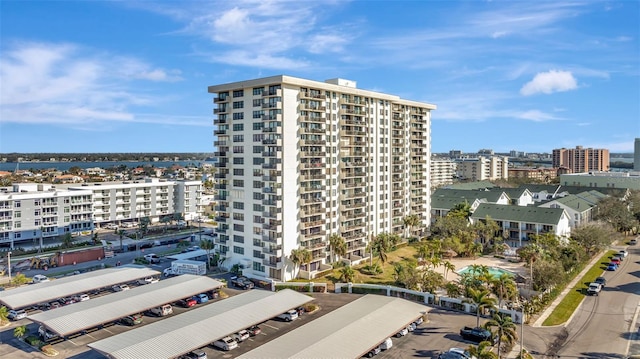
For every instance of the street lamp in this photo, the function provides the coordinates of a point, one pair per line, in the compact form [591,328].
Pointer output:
[9,265]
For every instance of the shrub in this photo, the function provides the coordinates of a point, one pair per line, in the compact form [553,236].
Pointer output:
[34,341]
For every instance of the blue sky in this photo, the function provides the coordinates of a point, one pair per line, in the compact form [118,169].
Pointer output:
[127,76]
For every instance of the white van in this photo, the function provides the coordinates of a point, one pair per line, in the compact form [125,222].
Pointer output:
[39,278]
[162,310]
[387,344]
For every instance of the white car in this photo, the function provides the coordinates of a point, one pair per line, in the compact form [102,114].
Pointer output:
[39,278]
[110,226]
[241,336]
[226,344]
[147,280]
[81,297]
[16,314]
[623,253]
[402,333]
[120,287]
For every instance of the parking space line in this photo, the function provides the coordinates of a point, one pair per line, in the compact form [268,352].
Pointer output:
[271,326]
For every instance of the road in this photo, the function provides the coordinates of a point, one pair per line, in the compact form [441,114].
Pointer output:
[603,326]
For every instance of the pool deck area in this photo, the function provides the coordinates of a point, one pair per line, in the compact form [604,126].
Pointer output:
[489,261]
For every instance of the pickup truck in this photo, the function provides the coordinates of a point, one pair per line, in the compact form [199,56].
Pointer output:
[242,282]
[476,335]
[594,288]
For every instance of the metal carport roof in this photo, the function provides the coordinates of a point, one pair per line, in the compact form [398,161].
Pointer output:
[80,316]
[172,337]
[44,292]
[347,332]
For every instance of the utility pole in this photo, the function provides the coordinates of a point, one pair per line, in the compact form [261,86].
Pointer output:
[9,265]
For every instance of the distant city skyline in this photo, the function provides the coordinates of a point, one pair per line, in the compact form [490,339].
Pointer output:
[98,76]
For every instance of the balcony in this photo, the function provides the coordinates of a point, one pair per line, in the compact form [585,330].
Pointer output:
[220,99]
[312,130]
[311,245]
[310,107]
[272,92]
[311,165]
[272,105]
[312,95]
[306,142]
[272,141]
[269,166]
[220,110]
[353,133]
[270,129]
[312,154]
[220,132]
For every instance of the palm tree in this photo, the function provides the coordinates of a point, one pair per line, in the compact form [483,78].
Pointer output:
[502,286]
[207,245]
[3,315]
[144,225]
[20,331]
[422,252]
[347,274]
[337,245]
[505,329]
[299,257]
[461,210]
[121,233]
[380,246]
[482,351]
[448,266]
[411,221]
[67,240]
[481,299]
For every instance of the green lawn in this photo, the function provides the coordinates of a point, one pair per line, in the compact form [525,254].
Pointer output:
[574,297]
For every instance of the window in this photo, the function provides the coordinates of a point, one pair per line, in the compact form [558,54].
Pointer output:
[238,126]
[257,102]
[258,184]
[238,104]
[238,183]
[238,160]
[16,204]
[36,202]
[17,214]
[238,227]
[257,254]
[257,172]
[237,138]
[258,91]
[238,250]
[258,149]
[258,161]
[258,137]
[238,205]
[258,267]
[258,208]
[238,93]
[258,196]
[238,115]
[258,114]
[238,172]
[237,149]
[17,224]
[238,239]
[238,216]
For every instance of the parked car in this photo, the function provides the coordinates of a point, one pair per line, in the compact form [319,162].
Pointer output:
[615,260]
[46,334]
[386,344]
[55,305]
[187,303]
[201,298]
[254,330]
[601,280]
[162,310]
[612,267]
[196,354]
[120,287]
[148,280]
[402,333]
[289,316]
[476,335]
[373,352]
[242,282]
[618,257]
[594,288]
[226,344]
[418,321]
[67,300]
[411,327]
[110,226]
[131,320]
[39,278]
[241,336]
[16,314]
[152,258]
[623,253]
[456,353]
[81,297]
[633,242]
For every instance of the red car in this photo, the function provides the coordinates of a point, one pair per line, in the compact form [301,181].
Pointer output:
[254,330]
[615,260]
[187,303]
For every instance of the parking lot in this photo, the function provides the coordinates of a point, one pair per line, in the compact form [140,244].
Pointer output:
[438,333]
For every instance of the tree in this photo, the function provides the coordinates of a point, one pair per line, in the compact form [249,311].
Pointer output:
[530,254]
[299,257]
[166,220]
[381,246]
[20,332]
[121,234]
[144,225]
[207,245]
[462,210]
[347,274]
[411,221]
[67,240]
[503,286]
[20,279]
[338,246]
[482,351]
[593,236]
[505,330]
[431,281]
[481,299]
[4,312]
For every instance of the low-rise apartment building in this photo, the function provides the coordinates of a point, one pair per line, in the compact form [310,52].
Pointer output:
[483,168]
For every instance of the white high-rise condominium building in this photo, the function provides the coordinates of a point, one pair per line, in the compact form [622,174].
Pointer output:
[301,160]
[443,170]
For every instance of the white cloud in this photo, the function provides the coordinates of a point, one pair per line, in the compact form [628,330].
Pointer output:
[537,116]
[64,84]
[550,82]
[499,34]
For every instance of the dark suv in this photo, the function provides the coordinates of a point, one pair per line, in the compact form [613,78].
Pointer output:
[131,320]
[476,335]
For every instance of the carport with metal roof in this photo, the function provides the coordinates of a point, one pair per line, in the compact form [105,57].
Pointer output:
[197,328]
[347,332]
[189,255]
[30,295]
[81,316]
